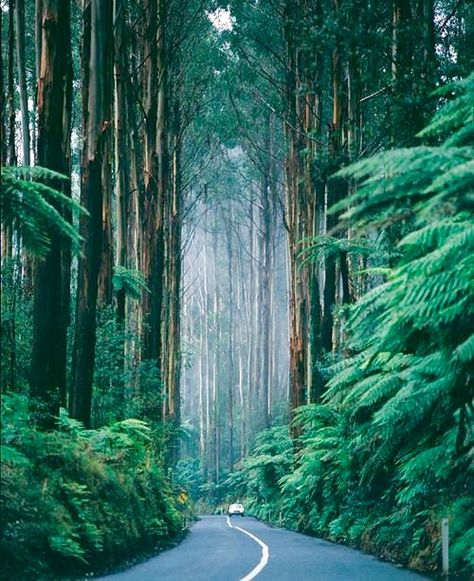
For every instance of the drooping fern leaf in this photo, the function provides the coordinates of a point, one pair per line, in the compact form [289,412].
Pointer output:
[34,209]
[132,282]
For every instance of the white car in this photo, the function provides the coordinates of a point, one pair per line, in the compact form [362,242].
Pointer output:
[235,508]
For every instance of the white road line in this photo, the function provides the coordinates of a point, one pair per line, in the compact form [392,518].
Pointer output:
[265,553]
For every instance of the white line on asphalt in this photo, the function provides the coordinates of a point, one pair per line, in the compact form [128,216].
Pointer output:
[265,553]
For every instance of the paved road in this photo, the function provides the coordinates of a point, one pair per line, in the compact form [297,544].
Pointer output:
[218,549]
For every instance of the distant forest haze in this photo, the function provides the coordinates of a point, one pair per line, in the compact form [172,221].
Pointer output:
[237,248]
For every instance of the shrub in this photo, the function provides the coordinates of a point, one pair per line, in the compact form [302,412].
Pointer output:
[74,500]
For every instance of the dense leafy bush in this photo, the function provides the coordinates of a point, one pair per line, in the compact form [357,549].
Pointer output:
[15,328]
[74,500]
[256,481]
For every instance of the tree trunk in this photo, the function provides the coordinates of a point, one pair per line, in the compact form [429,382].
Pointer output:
[295,211]
[172,282]
[265,282]
[20,58]
[3,107]
[51,275]
[11,84]
[231,374]
[97,128]
[403,126]
[156,179]
[6,243]
[122,144]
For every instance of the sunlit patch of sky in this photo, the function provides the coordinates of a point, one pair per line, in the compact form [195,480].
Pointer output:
[221,19]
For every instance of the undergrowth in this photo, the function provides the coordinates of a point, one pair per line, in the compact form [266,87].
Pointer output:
[388,451]
[76,500]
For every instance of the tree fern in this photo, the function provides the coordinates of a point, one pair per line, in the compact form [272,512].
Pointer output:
[30,206]
[132,282]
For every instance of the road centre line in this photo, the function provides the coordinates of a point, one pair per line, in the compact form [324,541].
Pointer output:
[265,553]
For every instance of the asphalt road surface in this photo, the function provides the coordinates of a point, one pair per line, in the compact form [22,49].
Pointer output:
[243,548]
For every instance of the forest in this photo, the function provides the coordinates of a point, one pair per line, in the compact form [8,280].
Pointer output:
[237,264]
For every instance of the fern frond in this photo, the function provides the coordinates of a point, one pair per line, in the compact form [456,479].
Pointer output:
[132,282]
[30,207]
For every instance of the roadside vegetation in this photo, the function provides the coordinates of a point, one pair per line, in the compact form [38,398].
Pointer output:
[388,453]
[76,501]
[236,252]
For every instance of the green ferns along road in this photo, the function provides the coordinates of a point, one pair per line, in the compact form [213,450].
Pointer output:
[389,452]
[76,500]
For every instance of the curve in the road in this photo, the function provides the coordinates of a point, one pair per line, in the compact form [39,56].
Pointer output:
[265,553]
[216,550]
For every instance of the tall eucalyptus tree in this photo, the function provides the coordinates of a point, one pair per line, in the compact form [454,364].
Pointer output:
[52,274]
[98,122]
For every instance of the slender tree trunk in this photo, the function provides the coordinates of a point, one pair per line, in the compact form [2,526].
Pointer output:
[122,144]
[209,321]
[6,234]
[241,354]
[3,107]
[156,178]
[51,275]
[148,209]
[217,342]
[133,312]
[404,126]
[266,292]
[251,330]
[231,375]
[105,289]
[295,211]
[202,405]
[20,59]
[11,84]
[172,287]
[98,79]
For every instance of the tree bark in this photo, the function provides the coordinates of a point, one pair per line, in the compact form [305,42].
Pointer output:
[3,107]
[122,144]
[404,126]
[172,277]
[51,275]
[11,84]
[231,374]
[20,59]
[98,79]
[6,235]
[155,178]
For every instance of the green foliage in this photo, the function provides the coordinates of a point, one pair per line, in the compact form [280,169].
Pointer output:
[132,282]
[388,453]
[74,500]
[122,389]
[407,390]
[188,475]
[15,329]
[35,209]
[256,480]
[111,377]
[147,403]
[413,183]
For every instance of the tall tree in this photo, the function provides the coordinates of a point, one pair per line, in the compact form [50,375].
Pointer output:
[21,67]
[97,98]
[152,242]
[51,274]
[122,144]
[12,158]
